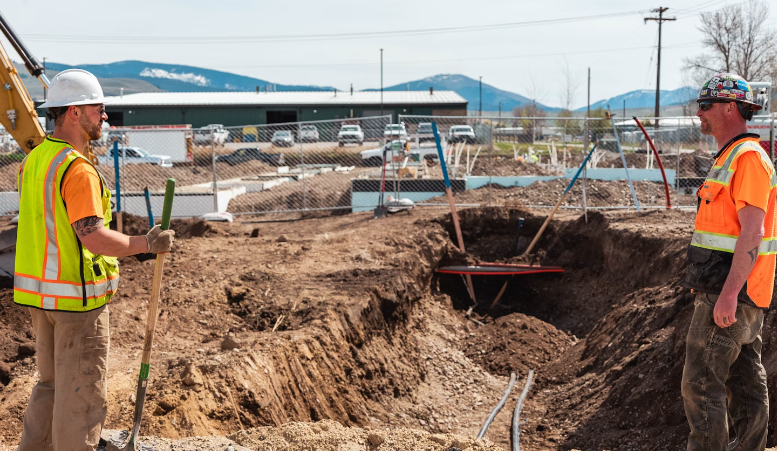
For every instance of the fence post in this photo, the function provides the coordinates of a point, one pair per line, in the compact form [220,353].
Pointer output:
[117,184]
[302,167]
[491,163]
[677,174]
[215,176]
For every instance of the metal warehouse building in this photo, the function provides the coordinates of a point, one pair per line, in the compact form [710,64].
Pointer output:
[243,108]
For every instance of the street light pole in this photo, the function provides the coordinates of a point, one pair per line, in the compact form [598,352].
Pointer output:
[480,100]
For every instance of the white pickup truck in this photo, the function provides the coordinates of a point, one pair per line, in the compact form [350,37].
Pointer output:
[374,157]
[213,133]
[135,155]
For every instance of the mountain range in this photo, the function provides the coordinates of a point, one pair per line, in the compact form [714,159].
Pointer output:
[646,98]
[469,88]
[178,78]
[139,76]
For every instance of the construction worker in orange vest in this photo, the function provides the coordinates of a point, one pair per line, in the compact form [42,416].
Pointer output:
[66,270]
[731,263]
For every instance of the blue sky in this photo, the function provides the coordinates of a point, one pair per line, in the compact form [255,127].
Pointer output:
[527,59]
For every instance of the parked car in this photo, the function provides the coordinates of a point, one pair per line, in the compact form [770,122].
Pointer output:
[135,155]
[308,133]
[425,132]
[395,131]
[374,157]
[350,133]
[282,138]
[213,132]
[249,154]
[461,133]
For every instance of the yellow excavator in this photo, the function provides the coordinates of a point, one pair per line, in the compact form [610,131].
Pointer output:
[17,110]
[18,116]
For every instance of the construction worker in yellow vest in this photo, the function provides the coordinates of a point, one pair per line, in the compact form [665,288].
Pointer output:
[731,263]
[66,269]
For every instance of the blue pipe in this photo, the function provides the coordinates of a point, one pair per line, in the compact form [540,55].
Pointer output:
[580,169]
[440,155]
[148,207]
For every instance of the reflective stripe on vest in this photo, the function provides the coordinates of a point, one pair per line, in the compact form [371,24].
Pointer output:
[51,268]
[64,289]
[727,243]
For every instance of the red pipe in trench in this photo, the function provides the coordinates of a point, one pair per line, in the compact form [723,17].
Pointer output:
[660,165]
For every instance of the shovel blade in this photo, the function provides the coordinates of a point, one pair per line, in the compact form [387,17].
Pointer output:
[380,212]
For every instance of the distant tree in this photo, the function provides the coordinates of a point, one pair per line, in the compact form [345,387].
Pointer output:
[737,39]
[531,126]
[570,127]
[599,127]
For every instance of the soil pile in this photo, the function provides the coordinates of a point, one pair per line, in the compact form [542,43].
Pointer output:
[599,193]
[184,228]
[516,343]
[502,166]
[329,435]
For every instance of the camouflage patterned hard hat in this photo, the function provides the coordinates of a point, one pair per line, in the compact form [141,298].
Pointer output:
[728,87]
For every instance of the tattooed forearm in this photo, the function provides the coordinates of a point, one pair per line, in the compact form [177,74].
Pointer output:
[84,227]
[753,254]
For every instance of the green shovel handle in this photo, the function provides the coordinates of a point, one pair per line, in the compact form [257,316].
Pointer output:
[168,206]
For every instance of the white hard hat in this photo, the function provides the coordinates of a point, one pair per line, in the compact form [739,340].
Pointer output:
[74,87]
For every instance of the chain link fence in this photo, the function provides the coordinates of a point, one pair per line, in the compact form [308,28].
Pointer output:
[336,166]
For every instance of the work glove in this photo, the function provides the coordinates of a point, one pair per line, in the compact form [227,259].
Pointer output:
[159,241]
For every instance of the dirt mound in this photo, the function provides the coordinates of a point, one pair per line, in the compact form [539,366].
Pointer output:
[330,435]
[516,343]
[184,228]
[503,166]
[16,329]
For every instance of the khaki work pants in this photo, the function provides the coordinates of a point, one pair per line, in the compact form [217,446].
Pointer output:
[68,404]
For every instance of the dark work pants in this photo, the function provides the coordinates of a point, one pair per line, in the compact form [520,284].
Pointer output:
[723,375]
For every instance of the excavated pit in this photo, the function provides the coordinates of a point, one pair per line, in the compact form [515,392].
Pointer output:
[367,334]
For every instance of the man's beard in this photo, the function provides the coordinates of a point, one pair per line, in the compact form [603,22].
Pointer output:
[706,128]
[94,131]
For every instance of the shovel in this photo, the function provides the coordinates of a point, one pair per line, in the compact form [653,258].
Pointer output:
[381,210]
[132,444]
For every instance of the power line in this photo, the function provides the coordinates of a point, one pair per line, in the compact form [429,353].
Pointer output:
[455,60]
[307,37]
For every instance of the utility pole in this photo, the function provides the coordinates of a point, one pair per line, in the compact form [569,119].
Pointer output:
[381,82]
[587,114]
[45,89]
[480,99]
[500,109]
[660,19]
[624,109]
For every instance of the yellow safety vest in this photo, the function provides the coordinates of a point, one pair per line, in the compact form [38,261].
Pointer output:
[54,270]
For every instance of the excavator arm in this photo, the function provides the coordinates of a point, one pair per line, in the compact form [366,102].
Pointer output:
[17,110]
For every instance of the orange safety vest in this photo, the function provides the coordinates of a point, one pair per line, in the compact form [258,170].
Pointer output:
[717,228]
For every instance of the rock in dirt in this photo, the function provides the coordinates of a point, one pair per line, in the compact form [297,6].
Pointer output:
[282,239]
[191,376]
[5,373]
[229,344]
[25,350]
[255,233]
